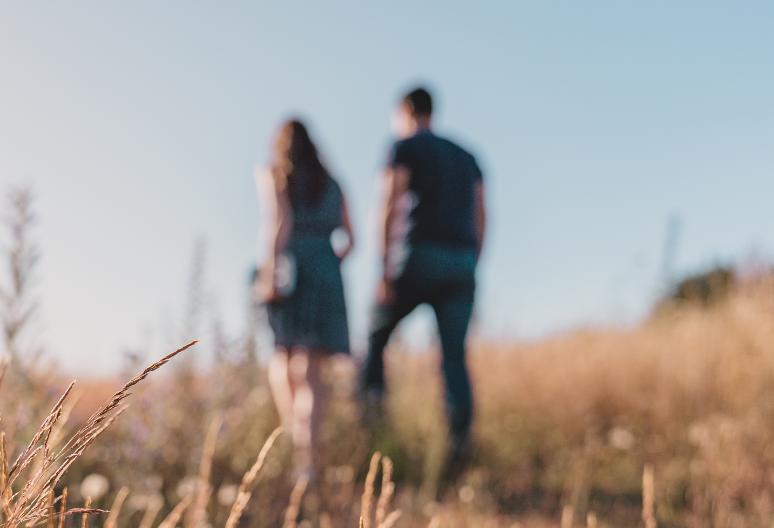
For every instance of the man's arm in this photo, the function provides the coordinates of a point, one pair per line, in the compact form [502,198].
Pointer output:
[480,211]
[394,184]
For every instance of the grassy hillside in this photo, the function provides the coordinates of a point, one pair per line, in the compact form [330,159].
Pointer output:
[565,427]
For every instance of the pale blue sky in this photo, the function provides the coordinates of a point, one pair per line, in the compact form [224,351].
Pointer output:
[139,124]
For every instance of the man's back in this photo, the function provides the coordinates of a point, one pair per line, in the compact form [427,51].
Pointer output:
[442,182]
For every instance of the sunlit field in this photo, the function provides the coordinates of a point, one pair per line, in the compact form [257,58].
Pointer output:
[566,430]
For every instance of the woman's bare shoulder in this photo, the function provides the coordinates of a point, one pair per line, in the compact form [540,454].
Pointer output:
[262,172]
[264,179]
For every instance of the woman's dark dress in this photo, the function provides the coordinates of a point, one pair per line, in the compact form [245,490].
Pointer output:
[314,315]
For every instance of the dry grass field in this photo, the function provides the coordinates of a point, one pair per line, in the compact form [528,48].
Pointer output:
[565,429]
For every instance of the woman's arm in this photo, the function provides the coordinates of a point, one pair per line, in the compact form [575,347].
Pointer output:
[280,225]
[347,227]
[480,211]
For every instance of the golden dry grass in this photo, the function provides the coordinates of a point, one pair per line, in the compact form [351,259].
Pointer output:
[571,430]
[34,502]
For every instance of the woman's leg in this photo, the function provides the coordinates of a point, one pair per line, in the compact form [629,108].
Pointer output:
[303,404]
[317,360]
[308,400]
[296,383]
[279,383]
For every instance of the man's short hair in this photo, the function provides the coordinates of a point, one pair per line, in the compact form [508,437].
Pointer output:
[419,102]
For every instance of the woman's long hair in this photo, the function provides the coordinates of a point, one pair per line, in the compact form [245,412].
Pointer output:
[298,169]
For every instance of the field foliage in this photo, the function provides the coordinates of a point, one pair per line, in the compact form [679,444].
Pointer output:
[563,424]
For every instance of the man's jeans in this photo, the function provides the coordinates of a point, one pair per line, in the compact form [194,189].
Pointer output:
[444,278]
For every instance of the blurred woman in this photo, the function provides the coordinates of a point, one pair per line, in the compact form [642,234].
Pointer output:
[301,282]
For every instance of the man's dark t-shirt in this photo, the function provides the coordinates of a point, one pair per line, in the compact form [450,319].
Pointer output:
[442,182]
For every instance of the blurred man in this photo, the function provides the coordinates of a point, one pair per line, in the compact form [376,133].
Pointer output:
[431,233]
